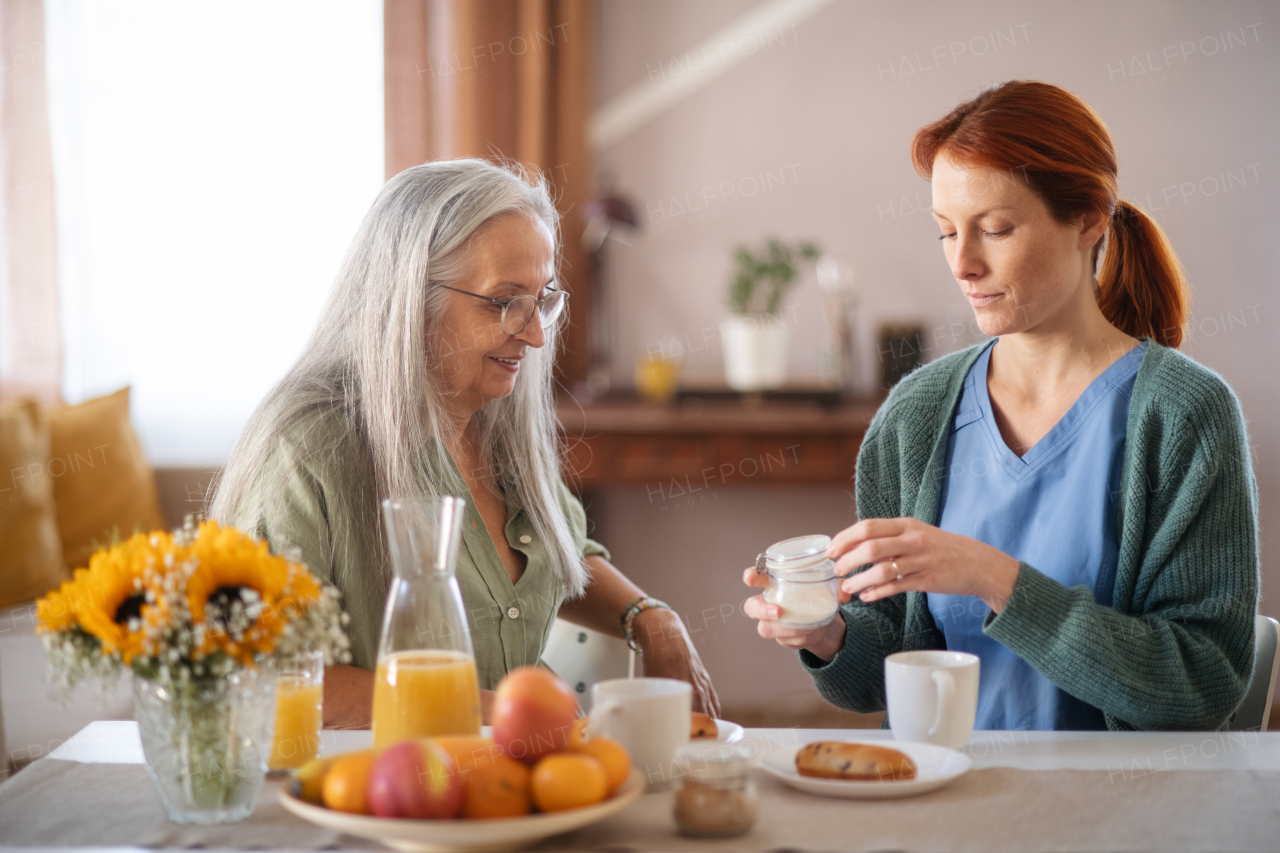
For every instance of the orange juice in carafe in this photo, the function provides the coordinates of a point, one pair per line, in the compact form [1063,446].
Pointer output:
[425,693]
[426,683]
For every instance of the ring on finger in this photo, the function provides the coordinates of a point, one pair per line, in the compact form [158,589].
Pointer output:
[894,564]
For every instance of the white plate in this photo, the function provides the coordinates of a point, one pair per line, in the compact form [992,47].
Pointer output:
[935,767]
[465,836]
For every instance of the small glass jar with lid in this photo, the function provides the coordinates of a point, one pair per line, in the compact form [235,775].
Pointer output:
[802,581]
[717,795]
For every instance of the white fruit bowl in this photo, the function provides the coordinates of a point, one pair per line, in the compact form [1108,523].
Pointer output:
[465,836]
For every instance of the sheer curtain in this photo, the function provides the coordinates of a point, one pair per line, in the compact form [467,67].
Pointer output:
[30,352]
[211,161]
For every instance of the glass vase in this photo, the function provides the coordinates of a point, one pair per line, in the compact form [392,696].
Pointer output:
[207,743]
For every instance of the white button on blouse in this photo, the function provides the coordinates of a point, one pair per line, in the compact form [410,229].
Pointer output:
[513,612]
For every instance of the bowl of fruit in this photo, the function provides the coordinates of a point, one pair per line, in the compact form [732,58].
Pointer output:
[538,775]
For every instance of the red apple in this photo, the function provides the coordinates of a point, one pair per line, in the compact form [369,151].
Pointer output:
[415,778]
[532,713]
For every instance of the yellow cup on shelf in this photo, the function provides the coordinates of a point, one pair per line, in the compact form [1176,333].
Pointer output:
[657,377]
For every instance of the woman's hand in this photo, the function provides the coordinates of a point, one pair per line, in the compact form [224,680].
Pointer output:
[668,652]
[665,645]
[911,555]
[823,642]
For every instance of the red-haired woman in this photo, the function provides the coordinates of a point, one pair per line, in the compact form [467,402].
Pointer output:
[1074,501]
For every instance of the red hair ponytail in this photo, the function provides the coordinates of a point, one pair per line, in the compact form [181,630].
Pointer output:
[1141,285]
[1064,151]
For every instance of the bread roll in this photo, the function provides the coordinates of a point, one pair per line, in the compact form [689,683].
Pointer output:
[830,759]
[702,726]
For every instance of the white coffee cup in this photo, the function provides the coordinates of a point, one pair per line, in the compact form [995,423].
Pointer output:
[649,716]
[932,696]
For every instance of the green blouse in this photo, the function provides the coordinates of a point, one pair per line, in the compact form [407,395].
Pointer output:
[317,481]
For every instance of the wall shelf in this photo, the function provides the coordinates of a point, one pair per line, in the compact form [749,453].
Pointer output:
[701,442]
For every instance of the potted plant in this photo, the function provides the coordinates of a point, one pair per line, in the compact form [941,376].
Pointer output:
[755,338]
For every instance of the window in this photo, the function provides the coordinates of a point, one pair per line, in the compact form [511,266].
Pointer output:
[212,161]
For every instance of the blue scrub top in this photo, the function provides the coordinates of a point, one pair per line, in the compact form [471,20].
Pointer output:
[1055,509]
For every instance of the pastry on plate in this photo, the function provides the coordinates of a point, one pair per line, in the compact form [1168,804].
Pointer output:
[702,726]
[832,759]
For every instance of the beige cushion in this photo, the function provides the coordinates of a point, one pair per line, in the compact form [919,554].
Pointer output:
[30,553]
[102,484]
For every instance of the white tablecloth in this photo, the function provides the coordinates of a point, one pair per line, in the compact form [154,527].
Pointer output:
[1103,791]
[111,742]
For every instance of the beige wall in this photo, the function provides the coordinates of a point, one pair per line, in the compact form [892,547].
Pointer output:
[823,117]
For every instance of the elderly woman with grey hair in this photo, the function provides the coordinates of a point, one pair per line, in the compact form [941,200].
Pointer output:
[431,373]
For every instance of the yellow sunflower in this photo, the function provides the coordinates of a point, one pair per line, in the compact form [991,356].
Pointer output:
[235,572]
[109,599]
[54,611]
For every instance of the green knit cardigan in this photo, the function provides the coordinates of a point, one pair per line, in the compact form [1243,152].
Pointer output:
[1175,649]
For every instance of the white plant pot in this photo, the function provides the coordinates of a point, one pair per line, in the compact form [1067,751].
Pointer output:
[755,351]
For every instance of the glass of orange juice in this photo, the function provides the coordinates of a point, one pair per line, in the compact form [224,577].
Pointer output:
[426,682]
[299,696]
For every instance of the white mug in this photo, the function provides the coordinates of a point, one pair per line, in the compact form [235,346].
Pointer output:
[932,696]
[649,716]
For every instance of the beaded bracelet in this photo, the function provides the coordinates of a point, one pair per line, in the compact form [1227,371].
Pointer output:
[633,610]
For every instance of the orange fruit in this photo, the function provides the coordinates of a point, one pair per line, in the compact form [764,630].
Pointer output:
[307,782]
[493,784]
[346,781]
[498,789]
[468,751]
[578,733]
[613,757]
[568,780]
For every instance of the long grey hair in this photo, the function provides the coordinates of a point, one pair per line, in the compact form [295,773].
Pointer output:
[374,356]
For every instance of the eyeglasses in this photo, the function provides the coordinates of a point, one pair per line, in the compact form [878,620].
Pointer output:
[519,310]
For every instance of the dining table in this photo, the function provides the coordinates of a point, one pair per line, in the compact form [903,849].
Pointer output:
[1024,791]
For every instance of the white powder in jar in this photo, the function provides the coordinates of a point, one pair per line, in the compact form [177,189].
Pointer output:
[803,604]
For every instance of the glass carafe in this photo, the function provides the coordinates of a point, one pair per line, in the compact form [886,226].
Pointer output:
[426,681]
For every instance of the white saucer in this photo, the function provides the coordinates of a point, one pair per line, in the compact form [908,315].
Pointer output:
[935,767]
[727,732]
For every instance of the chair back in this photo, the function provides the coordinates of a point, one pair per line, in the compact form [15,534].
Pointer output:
[582,657]
[1255,708]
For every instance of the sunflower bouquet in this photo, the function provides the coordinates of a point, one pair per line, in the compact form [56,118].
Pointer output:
[200,617]
[188,607]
